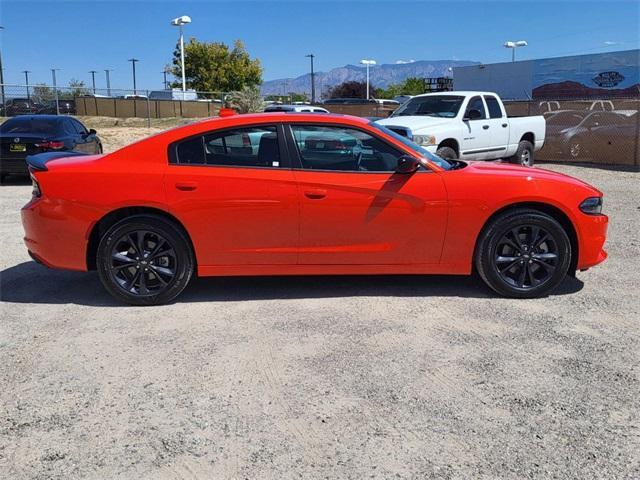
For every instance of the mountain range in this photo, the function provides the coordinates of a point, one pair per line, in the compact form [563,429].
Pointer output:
[380,76]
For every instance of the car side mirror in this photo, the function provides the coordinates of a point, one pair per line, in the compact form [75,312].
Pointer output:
[92,131]
[473,114]
[407,164]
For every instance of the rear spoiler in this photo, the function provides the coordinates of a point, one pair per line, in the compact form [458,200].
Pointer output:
[39,161]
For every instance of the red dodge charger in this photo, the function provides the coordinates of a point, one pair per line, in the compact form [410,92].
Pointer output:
[304,194]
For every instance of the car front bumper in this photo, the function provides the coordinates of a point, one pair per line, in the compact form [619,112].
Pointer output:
[592,236]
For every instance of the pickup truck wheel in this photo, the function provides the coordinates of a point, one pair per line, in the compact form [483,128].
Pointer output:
[524,154]
[523,253]
[447,153]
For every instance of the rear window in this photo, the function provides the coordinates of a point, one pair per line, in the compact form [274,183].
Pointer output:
[31,125]
[494,107]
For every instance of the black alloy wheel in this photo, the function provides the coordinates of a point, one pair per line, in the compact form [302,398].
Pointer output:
[523,253]
[145,260]
[142,263]
[526,256]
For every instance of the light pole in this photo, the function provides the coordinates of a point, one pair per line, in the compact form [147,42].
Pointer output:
[368,63]
[133,65]
[55,89]
[180,22]
[1,77]
[106,72]
[313,83]
[93,79]
[513,46]
[26,80]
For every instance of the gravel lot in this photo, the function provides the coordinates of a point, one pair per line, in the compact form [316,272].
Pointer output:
[324,377]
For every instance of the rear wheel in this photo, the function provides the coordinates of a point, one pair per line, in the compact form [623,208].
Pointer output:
[145,260]
[447,153]
[523,254]
[524,154]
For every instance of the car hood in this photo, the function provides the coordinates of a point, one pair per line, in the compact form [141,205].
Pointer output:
[499,168]
[416,122]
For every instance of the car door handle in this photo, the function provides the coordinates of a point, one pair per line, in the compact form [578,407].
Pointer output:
[186,186]
[505,125]
[315,194]
[485,127]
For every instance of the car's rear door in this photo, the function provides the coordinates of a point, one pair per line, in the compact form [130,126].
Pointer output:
[498,131]
[235,193]
[355,209]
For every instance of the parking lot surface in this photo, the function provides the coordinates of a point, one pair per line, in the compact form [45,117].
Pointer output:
[323,377]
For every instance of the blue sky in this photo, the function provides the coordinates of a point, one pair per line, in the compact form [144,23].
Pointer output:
[93,35]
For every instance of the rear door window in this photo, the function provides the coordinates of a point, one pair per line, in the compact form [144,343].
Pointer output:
[494,106]
[257,146]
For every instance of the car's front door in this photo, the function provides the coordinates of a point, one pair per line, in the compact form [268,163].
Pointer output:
[235,193]
[355,209]
[83,141]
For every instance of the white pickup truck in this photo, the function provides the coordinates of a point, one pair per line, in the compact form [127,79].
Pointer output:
[468,126]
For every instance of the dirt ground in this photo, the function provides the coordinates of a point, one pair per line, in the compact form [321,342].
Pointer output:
[322,377]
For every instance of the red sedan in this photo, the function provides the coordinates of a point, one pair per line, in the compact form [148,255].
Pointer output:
[304,194]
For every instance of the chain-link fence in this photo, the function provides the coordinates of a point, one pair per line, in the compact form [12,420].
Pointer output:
[596,130]
[83,101]
[603,131]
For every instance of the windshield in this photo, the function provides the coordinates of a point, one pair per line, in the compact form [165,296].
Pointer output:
[41,126]
[441,162]
[446,106]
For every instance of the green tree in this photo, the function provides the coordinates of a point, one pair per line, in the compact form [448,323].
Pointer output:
[350,89]
[247,100]
[214,67]
[410,86]
[41,93]
[77,88]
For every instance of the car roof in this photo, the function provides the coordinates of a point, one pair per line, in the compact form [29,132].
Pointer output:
[248,118]
[40,117]
[459,93]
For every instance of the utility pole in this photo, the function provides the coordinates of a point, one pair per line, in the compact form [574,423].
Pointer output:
[26,80]
[133,65]
[1,77]
[93,79]
[313,83]
[164,72]
[106,71]
[55,89]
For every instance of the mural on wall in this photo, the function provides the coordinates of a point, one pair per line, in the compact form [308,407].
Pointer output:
[615,74]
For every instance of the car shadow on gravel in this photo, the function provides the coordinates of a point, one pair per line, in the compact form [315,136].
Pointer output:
[12,180]
[30,282]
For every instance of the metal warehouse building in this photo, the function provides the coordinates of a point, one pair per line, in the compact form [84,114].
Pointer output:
[600,75]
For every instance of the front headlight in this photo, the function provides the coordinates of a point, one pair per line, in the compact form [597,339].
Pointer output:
[424,140]
[592,206]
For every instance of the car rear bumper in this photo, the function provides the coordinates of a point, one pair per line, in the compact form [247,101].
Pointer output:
[593,234]
[13,165]
[53,237]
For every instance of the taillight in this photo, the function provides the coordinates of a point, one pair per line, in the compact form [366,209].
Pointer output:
[35,192]
[53,145]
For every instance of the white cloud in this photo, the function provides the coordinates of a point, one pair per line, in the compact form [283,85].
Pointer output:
[402,62]
[611,43]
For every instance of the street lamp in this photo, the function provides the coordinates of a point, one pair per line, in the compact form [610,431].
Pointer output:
[1,77]
[133,65]
[55,89]
[26,79]
[106,72]
[93,79]
[313,83]
[368,63]
[180,22]
[513,46]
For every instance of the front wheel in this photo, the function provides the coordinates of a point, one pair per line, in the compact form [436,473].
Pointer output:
[524,154]
[523,253]
[145,260]
[447,153]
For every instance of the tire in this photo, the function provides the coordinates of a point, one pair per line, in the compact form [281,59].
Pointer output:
[524,154]
[129,275]
[447,153]
[523,266]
